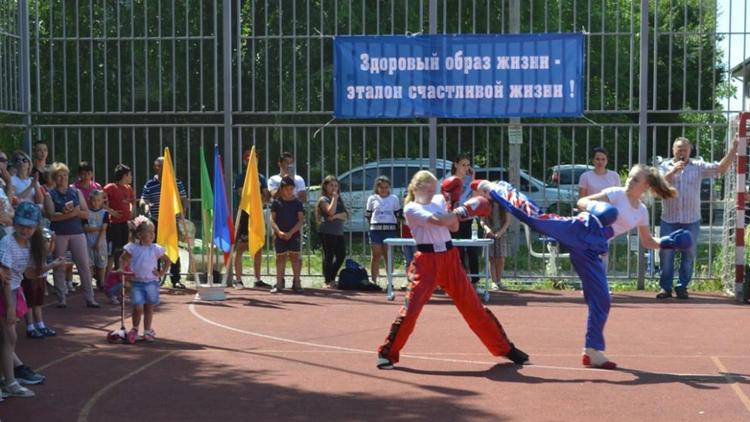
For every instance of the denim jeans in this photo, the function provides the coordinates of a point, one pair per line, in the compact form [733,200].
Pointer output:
[687,257]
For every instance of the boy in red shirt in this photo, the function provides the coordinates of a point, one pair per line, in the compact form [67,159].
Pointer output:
[121,200]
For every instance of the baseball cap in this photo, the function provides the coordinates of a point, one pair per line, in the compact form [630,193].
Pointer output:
[27,214]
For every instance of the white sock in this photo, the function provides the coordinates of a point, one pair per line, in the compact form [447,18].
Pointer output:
[597,356]
[40,325]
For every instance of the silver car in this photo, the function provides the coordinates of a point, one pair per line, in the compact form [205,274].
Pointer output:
[356,186]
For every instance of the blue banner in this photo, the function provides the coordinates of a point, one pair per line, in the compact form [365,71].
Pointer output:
[458,76]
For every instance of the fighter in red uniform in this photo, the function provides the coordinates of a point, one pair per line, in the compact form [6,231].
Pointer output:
[437,263]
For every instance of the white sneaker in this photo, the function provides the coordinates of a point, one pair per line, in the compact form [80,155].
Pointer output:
[17,390]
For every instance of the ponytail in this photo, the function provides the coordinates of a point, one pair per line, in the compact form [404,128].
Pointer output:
[659,185]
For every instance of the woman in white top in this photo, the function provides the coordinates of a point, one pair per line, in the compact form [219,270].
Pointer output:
[437,263]
[25,188]
[382,212]
[598,179]
[609,213]
[631,213]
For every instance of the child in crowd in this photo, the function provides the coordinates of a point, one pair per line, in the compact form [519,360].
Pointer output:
[144,258]
[382,213]
[22,253]
[34,286]
[437,263]
[96,236]
[287,219]
[495,227]
[331,214]
[121,200]
[85,182]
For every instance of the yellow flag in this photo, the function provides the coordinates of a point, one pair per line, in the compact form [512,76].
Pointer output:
[169,207]
[251,203]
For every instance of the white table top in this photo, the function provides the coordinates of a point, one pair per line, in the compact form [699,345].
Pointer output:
[400,241]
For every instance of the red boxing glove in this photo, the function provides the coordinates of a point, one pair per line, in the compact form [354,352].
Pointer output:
[452,188]
[477,206]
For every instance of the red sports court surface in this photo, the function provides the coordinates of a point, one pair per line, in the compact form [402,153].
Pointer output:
[261,357]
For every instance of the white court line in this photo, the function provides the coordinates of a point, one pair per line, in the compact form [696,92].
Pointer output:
[422,357]
[731,380]
[84,415]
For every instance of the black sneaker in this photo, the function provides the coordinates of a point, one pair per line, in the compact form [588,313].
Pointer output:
[26,375]
[681,293]
[238,284]
[177,285]
[261,284]
[48,332]
[384,363]
[664,294]
[35,334]
[517,355]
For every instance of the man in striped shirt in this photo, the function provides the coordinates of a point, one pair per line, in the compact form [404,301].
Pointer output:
[150,200]
[684,211]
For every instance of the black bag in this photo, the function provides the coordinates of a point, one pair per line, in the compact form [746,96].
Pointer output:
[354,277]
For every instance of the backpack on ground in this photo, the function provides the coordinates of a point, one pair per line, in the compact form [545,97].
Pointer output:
[354,277]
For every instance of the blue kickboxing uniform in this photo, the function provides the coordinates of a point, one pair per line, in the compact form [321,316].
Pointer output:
[584,237]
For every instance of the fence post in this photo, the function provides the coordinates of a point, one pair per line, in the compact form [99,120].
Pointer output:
[643,121]
[25,70]
[432,121]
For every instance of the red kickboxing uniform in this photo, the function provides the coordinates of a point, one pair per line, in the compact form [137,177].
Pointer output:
[437,263]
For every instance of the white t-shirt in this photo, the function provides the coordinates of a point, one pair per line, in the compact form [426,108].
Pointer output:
[383,209]
[274,183]
[423,232]
[20,185]
[627,216]
[15,257]
[144,260]
[595,183]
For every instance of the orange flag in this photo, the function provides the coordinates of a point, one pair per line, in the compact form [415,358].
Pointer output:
[251,203]
[169,207]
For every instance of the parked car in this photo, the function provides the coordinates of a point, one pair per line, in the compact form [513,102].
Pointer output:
[567,176]
[356,186]
[556,199]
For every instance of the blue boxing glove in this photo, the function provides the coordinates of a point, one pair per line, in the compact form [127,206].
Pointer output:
[605,212]
[679,239]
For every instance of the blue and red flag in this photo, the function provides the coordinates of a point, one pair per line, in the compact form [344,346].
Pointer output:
[223,226]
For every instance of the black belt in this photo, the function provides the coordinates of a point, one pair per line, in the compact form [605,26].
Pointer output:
[429,247]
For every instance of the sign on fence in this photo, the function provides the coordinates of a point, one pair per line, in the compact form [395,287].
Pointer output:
[458,76]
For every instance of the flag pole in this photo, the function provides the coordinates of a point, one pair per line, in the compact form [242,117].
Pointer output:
[210,275]
[232,252]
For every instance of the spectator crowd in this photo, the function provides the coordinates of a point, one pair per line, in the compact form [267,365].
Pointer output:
[52,222]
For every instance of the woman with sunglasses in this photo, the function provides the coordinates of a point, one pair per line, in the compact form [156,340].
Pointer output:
[24,187]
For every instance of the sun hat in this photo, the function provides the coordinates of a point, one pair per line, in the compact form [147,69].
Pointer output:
[27,214]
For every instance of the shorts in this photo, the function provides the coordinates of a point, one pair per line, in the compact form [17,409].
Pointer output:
[117,236]
[144,293]
[378,236]
[98,257]
[18,301]
[292,245]
[33,290]
[242,227]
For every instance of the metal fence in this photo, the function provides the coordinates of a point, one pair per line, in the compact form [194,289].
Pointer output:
[117,81]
